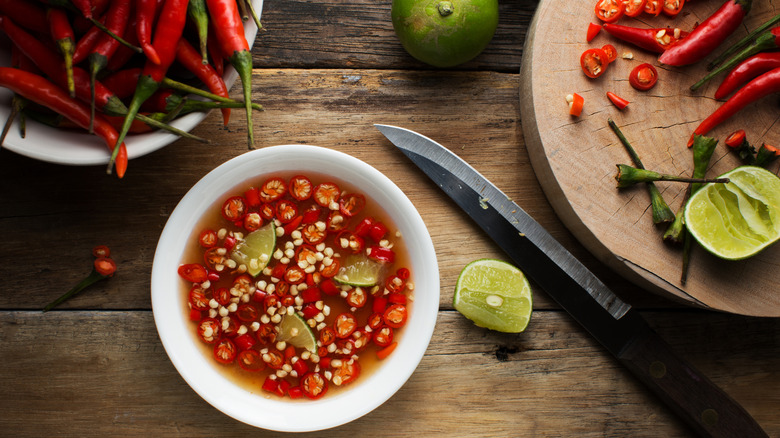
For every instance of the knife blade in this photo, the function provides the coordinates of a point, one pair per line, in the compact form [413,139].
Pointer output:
[706,408]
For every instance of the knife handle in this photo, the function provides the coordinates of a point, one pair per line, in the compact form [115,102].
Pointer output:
[698,401]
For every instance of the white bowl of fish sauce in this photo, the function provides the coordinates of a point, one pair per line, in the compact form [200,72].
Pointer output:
[222,318]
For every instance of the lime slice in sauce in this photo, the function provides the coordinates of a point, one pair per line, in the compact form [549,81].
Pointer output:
[495,295]
[294,331]
[359,270]
[256,249]
[738,219]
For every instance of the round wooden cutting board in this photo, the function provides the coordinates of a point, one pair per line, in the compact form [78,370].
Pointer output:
[574,157]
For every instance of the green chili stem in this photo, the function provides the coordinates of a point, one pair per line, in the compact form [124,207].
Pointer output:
[176,85]
[254,15]
[749,38]
[121,40]
[198,12]
[661,211]
[627,176]
[91,279]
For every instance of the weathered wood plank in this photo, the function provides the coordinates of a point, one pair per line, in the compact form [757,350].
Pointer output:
[106,374]
[63,211]
[359,34]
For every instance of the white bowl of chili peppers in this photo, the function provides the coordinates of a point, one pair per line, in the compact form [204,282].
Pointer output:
[225,321]
[51,137]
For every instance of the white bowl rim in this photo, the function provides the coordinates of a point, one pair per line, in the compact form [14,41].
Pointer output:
[175,331]
[78,148]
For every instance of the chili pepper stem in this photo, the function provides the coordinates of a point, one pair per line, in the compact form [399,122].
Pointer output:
[765,41]
[255,18]
[144,89]
[198,12]
[661,211]
[171,83]
[121,40]
[743,42]
[67,48]
[17,103]
[242,61]
[627,176]
[91,279]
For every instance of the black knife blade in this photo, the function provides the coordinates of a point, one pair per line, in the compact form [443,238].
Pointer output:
[619,328]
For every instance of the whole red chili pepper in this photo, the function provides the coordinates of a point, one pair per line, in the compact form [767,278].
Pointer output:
[217,58]
[124,54]
[86,43]
[192,61]
[167,33]
[122,82]
[145,12]
[756,89]
[84,6]
[105,47]
[766,41]
[41,91]
[63,35]
[229,31]
[708,35]
[27,15]
[748,69]
[653,40]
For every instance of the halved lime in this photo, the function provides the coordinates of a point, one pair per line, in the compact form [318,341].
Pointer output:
[256,249]
[495,295]
[738,219]
[294,330]
[359,270]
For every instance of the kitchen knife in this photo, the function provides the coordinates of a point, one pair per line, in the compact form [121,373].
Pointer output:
[619,328]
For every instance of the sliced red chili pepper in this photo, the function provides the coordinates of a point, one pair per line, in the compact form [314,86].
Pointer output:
[327,336]
[267,211]
[208,238]
[576,104]
[198,299]
[377,231]
[311,294]
[314,385]
[672,7]
[594,62]
[396,298]
[266,333]
[234,208]
[273,189]
[294,275]
[193,272]
[352,204]
[230,326]
[360,339]
[300,367]
[331,270]
[270,384]
[383,353]
[251,360]
[736,139]
[101,251]
[381,254]
[395,316]
[362,229]
[252,196]
[326,193]
[635,7]
[209,330]
[312,234]
[383,337]
[643,77]
[375,320]
[611,52]
[274,358]
[335,221]
[286,211]
[329,287]
[345,324]
[245,341]
[295,392]
[610,11]
[215,258]
[357,297]
[252,221]
[593,30]
[225,351]
[346,373]
[311,215]
[653,7]
[616,100]
[247,312]
[301,187]
[222,295]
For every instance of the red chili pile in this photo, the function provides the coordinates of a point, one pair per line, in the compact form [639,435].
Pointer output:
[318,227]
[106,66]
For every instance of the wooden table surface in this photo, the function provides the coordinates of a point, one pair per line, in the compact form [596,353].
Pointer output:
[325,71]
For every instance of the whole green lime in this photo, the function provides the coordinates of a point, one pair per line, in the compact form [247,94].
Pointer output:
[444,33]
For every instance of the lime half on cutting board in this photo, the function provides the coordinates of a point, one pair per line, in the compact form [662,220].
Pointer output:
[495,295]
[738,219]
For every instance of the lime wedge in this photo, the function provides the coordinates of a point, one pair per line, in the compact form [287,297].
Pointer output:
[738,219]
[256,249]
[294,330]
[495,295]
[359,270]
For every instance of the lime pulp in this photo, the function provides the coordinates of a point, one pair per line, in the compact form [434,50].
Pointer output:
[495,295]
[255,250]
[359,270]
[738,219]
[294,331]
